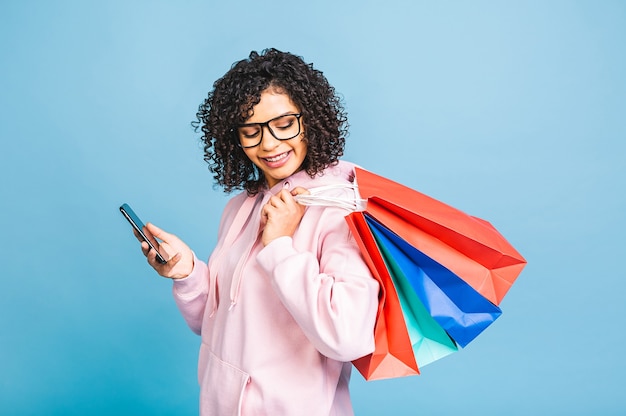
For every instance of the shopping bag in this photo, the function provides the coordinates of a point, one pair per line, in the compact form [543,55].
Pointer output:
[439,251]
[469,247]
[459,309]
[393,355]
[430,341]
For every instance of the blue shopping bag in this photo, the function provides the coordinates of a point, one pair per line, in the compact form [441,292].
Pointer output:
[457,307]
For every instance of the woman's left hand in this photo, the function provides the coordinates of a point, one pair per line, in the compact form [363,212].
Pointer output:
[282,215]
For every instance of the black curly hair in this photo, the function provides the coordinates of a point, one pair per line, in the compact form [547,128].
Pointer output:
[234,95]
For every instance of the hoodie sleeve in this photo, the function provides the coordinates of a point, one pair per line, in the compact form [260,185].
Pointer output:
[191,294]
[331,294]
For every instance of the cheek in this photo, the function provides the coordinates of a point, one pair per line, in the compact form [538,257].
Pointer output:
[303,148]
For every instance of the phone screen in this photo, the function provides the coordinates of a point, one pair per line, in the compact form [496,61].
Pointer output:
[139,226]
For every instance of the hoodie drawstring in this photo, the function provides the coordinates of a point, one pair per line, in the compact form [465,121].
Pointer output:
[238,224]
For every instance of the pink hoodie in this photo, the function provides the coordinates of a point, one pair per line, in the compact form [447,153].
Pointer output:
[280,324]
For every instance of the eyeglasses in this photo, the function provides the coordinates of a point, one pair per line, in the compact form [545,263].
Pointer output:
[283,127]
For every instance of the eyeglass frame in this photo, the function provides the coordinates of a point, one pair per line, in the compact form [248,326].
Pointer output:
[235,130]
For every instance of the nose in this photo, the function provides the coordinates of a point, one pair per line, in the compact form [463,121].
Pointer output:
[268,141]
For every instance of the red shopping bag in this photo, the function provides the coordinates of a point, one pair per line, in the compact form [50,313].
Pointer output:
[393,355]
[468,246]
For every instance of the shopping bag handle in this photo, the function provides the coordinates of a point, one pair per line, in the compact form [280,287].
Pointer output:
[316,197]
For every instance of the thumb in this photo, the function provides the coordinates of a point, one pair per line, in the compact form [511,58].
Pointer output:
[157,232]
[298,190]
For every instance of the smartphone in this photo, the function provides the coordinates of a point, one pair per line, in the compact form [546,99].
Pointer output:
[139,226]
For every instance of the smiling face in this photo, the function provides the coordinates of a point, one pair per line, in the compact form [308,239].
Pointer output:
[277,159]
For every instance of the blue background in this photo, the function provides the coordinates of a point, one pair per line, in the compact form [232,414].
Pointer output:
[510,111]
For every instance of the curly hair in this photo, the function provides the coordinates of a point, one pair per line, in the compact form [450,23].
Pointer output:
[231,102]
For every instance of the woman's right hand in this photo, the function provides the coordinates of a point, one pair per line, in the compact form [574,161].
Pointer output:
[180,263]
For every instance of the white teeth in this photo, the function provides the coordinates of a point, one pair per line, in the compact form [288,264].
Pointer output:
[276,158]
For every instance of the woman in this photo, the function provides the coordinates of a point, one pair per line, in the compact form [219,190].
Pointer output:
[285,301]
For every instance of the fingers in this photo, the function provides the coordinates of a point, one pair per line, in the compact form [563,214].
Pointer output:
[299,191]
[137,236]
[175,268]
[281,215]
[287,197]
[281,202]
[178,265]
[145,248]
[282,196]
[275,202]
[164,269]
[151,255]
